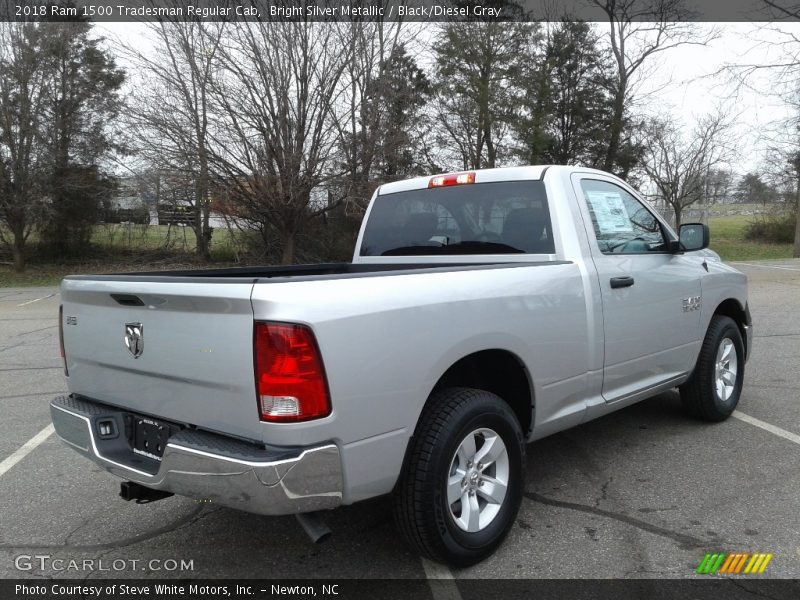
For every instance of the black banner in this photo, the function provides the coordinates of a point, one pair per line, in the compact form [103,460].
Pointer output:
[396,10]
[379,589]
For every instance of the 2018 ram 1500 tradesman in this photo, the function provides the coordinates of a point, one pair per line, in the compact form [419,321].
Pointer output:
[481,311]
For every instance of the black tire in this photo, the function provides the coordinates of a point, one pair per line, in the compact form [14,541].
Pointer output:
[699,395]
[421,510]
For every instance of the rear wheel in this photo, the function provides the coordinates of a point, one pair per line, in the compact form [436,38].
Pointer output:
[462,485]
[713,391]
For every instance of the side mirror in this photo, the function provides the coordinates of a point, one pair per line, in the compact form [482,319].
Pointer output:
[694,236]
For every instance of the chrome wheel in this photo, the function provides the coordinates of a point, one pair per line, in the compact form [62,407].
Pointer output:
[726,368]
[477,480]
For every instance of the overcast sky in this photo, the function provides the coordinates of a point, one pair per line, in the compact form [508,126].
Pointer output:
[687,82]
[698,85]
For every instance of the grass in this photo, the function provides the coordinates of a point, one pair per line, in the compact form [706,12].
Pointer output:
[51,274]
[119,238]
[727,239]
[125,248]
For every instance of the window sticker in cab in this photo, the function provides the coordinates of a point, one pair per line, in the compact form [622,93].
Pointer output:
[609,212]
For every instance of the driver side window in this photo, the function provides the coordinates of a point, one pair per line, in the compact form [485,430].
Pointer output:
[622,224]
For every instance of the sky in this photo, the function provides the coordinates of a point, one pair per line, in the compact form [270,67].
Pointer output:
[699,83]
[685,82]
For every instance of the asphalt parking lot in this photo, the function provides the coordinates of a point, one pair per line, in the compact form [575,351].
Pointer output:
[642,493]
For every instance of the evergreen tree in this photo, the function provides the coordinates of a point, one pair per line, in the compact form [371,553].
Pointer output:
[567,104]
[479,81]
[401,92]
[83,98]
[23,85]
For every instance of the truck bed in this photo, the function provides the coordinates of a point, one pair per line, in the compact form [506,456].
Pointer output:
[194,362]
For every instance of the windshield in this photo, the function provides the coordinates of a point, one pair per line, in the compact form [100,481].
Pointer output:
[487,218]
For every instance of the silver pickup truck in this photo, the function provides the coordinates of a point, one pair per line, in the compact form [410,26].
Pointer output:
[481,311]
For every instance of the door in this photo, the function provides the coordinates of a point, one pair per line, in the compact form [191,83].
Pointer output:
[649,295]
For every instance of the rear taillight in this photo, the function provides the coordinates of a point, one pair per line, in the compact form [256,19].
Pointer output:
[452,179]
[61,337]
[290,379]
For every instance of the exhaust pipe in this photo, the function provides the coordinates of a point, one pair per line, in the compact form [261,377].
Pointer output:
[128,490]
[314,526]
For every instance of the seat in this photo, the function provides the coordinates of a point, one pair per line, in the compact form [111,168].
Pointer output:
[419,228]
[528,229]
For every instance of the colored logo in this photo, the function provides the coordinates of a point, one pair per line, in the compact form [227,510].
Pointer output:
[735,563]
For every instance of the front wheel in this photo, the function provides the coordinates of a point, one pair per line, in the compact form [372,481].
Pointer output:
[713,390]
[460,491]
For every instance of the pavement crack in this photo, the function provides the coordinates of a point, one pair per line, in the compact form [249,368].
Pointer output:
[642,571]
[31,368]
[685,541]
[755,592]
[756,385]
[35,330]
[101,555]
[74,531]
[603,492]
[12,347]
[32,395]
[771,335]
[186,520]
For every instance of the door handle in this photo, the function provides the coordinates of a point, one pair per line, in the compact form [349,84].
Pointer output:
[621,282]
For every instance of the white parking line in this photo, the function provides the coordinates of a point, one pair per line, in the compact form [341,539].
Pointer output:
[441,581]
[36,300]
[787,435]
[767,266]
[26,449]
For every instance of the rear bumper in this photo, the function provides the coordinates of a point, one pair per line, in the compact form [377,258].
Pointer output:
[207,466]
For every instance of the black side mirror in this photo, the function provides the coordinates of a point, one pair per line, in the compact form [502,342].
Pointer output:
[694,236]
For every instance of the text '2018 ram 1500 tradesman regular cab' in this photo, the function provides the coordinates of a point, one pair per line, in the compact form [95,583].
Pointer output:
[481,311]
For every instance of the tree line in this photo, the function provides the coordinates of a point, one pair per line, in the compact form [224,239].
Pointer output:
[289,127]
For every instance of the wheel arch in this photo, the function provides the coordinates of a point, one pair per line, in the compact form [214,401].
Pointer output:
[500,372]
[732,308]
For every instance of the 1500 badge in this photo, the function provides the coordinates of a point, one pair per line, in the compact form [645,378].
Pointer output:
[690,304]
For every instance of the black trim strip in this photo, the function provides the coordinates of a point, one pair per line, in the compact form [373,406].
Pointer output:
[303,273]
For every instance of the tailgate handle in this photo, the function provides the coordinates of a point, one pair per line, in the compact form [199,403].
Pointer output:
[128,299]
[621,282]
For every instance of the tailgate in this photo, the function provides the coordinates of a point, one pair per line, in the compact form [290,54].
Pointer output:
[179,350]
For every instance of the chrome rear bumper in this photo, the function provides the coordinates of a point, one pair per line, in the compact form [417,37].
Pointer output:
[207,466]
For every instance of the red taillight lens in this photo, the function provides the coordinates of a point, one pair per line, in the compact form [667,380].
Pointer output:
[451,179]
[61,337]
[290,379]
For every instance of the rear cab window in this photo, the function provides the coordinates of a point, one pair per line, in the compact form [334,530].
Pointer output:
[510,217]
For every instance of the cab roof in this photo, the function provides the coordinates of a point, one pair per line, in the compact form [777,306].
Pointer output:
[481,176]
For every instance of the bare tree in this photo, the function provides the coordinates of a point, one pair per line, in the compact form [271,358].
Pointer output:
[282,105]
[639,30]
[373,45]
[170,117]
[23,90]
[679,165]
[783,68]
[782,166]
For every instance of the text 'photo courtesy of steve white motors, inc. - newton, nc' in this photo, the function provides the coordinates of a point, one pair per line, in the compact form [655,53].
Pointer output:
[176,590]
[222,9]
